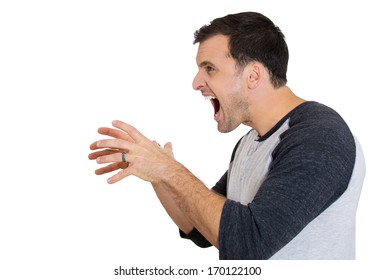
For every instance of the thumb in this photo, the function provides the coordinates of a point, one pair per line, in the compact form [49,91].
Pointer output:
[169,149]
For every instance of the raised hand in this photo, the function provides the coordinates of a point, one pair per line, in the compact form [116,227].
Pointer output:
[143,158]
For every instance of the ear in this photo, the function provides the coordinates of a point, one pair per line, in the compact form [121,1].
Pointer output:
[254,73]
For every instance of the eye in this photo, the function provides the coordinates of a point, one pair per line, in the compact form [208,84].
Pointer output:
[209,69]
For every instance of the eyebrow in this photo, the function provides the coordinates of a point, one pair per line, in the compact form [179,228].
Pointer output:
[206,63]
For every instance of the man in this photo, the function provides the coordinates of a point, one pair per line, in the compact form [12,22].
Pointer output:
[294,181]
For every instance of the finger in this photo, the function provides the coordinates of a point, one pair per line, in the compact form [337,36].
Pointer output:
[111,167]
[94,146]
[169,149]
[156,143]
[132,131]
[95,155]
[111,144]
[119,176]
[117,157]
[115,133]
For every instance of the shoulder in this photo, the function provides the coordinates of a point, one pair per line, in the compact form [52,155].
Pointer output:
[317,141]
[316,115]
[312,122]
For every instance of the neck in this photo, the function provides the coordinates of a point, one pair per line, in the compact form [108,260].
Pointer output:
[271,106]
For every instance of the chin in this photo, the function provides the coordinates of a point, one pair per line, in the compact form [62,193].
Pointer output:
[226,128]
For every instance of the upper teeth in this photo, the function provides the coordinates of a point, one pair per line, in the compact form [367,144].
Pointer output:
[209,97]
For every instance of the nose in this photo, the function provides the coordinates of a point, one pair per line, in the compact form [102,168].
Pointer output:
[198,82]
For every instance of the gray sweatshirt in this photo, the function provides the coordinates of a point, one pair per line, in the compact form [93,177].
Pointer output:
[293,192]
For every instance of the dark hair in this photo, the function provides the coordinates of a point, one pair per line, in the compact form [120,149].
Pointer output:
[252,37]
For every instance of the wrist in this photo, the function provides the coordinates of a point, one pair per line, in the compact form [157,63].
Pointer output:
[173,171]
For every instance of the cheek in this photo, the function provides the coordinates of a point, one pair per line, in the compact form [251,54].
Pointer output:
[227,90]
[233,93]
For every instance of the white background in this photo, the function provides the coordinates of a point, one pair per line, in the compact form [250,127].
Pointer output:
[69,67]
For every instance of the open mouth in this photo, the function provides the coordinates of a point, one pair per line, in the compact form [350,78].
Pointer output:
[215,103]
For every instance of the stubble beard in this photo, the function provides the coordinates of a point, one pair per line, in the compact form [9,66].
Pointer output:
[238,113]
